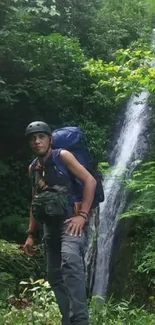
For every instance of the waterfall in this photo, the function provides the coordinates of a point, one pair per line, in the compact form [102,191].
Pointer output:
[130,147]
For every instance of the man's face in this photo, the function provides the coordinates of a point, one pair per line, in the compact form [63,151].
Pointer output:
[39,143]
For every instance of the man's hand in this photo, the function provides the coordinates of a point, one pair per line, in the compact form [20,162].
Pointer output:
[75,225]
[28,246]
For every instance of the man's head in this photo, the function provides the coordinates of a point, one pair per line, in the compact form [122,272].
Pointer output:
[39,137]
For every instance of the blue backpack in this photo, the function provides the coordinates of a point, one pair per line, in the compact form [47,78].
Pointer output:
[73,140]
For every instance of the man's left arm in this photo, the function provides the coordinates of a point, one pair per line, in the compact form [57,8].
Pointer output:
[88,192]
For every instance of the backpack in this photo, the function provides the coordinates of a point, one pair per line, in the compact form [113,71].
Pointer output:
[73,140]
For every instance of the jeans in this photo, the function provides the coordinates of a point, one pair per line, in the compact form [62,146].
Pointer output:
[65,272]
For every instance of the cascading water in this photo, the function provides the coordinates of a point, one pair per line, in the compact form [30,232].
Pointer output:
[128,149]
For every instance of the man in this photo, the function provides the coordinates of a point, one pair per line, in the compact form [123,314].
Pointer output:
[64,238]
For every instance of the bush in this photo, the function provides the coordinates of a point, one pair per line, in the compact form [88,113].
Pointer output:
[37,306]
[14,265]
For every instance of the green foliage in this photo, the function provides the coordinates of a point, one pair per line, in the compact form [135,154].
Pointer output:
[37,289]
[41,73]
[117,24]
[140,281]
[129,74]
[36,16]
[7,285]
[15,203]
[36,304]
[48,63]
[145,257]
[17,265]
[31,315]
[143,188]
[44,46]
[103,26]
[49,84]
[142,206]
[110,313]
[42,308]
[4,168]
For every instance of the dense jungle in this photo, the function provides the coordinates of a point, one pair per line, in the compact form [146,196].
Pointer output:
[75,63]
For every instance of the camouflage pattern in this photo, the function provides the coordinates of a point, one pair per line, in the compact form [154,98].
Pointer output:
[49,204]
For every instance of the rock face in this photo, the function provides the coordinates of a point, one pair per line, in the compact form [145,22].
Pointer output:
[91,249]
[121,261]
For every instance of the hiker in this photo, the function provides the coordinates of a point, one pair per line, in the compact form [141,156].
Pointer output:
[64,215]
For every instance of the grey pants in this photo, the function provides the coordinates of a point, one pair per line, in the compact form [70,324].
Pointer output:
[65,273]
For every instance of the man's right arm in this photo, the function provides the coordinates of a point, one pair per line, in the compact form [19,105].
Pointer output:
[28,246]
[32,223]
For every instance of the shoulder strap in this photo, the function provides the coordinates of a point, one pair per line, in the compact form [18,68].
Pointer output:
[61,168]
[33,173]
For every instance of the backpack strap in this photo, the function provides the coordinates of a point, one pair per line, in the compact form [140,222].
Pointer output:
[33,175]
[61,167]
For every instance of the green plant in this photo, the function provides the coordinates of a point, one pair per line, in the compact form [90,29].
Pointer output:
[36,305]
[128,74]
[19,266]
[142,186]
[114,313]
